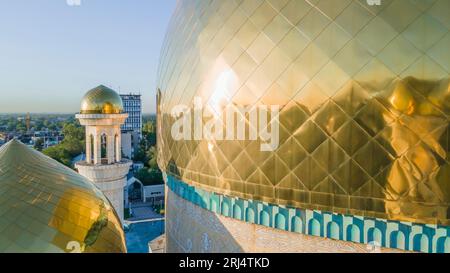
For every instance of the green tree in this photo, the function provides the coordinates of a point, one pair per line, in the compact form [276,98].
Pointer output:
[149,133]
[149,176]
[20,127]
[140,155]
[46,123]
[152,155]
[149,127]
[73,138]
[39,144]
[60,154]
[39,124]
[72,145]
[11,126]
[53,127]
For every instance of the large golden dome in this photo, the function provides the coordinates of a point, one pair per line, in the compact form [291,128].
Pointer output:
[363,97]
[101,100]
[47,207]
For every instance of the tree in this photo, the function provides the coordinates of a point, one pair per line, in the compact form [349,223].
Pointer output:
[52,127]
[60,154]
[149,176]
[11,126]
[39,124]
[39,144]
[73,138]
[140,155]
[46,123]
[72,145]
[21,128]
[149,133]
[152,155]
[149,127]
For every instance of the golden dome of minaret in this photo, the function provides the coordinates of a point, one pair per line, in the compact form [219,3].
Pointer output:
[101,100]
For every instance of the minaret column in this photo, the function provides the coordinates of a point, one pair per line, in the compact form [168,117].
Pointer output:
[88,147]
[110,148]
[118,140]
[97,149]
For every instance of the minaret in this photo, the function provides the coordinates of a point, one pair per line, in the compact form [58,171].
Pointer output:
[102,114]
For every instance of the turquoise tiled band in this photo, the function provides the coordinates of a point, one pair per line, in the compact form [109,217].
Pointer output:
[385,233]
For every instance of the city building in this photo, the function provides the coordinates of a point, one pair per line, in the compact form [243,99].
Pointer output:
[102,115]
[133,107]
[132,128]
[355,155]
[127,141]
[48,208]
[136,192]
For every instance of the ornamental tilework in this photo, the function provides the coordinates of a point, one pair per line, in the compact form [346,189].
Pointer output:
[352,228]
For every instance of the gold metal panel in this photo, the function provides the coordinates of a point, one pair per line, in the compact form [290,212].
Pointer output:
[364,102]
[101,100]
[47,207]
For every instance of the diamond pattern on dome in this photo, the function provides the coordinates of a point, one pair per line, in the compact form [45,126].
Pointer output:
[363,94]
[45,207]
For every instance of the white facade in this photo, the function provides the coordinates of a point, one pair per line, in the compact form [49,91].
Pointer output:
[127,146]
[153,194]
[107,170]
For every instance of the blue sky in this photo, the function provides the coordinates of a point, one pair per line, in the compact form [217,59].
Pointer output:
[51,53]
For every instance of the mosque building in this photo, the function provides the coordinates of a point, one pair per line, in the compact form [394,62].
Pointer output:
[361,100]
[283,126]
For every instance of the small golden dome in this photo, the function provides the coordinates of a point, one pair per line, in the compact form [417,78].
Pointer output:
[53,207]
[101,100]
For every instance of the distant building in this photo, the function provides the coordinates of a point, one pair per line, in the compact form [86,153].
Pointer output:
[133,107]
[132,128]
[136,192]
[127,144]
[137,166]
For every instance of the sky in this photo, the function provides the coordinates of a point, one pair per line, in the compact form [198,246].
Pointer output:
[52,53]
